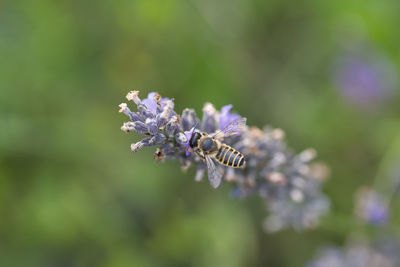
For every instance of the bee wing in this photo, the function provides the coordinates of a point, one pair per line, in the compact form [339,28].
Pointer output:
[214,174]
[233,128]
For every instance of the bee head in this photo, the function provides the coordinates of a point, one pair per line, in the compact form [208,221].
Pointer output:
[194,140]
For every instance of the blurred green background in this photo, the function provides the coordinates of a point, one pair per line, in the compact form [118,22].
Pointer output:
[72,193]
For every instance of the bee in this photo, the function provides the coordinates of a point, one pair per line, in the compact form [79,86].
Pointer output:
[210,149]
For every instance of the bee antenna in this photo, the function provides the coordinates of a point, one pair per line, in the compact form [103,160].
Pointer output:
[194,128]
[197,124]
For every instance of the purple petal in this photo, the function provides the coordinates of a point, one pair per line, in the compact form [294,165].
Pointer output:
[163,100]
[188,135]
[150,103]
[372,207]
[376,212]
[140,127]
[226,116]
[152,126]
[187,152]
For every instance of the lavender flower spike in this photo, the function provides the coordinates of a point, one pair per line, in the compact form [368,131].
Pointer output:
[289,184]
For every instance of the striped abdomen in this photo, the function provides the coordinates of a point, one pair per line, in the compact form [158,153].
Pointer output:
[230,157]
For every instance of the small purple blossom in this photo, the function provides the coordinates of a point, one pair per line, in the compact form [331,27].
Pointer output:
[154,101]
[288,183]
[226,116]
[150,103]
[188,135]
[365,79]
[371,207]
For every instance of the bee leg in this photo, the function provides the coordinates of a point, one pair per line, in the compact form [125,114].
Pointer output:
[195,152]
[199,155]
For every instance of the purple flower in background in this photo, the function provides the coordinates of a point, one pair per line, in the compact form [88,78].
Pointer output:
[381,253]
[371,207]
[288,183]
[329,257]
[365,79]
[226,116]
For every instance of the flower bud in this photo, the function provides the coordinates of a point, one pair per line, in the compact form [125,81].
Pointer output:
[133,96]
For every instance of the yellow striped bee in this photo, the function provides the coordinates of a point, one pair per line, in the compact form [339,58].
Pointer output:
[210,148]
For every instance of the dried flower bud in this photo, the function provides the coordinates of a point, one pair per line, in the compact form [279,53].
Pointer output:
[307,155]
[157,99]
[276,178]
[319,171]
[199,175]
[278,134]
[159,155]
[135,147]
[123,107]
[297,195]
[133,96]
[230,175]
[128,127]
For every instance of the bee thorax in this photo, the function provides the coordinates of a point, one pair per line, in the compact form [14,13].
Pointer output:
[208,144]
